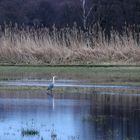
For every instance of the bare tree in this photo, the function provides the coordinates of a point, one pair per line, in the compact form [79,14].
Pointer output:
[86,12]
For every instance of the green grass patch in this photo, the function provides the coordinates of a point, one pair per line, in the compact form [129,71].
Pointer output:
[115,75]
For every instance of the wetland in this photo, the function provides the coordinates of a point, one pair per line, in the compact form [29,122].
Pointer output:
[88,103]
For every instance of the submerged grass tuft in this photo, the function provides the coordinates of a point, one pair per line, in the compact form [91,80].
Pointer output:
[29,132]
[98,119]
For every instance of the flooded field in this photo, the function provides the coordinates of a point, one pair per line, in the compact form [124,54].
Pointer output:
[81,107]
[59,116]
[67,119]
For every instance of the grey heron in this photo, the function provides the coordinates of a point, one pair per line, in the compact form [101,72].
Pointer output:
[50,87]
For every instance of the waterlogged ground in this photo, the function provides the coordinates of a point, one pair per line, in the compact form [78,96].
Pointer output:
[66,86]
[88,104]
[67,119]
[62,117]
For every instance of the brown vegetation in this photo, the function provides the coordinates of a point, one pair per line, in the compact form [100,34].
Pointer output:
[67,46]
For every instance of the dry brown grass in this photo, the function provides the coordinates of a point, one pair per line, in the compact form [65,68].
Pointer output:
[67,46]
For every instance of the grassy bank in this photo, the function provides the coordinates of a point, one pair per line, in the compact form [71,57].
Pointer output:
[67,46]
[93,75]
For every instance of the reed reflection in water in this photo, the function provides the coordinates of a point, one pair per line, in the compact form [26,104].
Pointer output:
[98,118]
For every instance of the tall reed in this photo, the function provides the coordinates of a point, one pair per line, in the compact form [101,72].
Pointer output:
[30,45]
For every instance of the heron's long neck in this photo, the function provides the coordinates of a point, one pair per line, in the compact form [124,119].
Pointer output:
[53,80]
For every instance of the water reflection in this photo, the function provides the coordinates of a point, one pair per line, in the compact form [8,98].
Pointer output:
[69,119]
[116,122]
[62,83]
[64,117]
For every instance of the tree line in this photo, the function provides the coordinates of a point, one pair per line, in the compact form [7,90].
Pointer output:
[64,13]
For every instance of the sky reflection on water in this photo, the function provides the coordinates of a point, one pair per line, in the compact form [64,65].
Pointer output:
[62,83]
[62,116]
[69,119]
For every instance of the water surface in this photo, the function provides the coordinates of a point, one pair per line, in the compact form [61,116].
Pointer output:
[64,117]
[69,119]
[62,83]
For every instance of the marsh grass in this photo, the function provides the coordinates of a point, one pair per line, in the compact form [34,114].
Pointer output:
[66,46]
[29,132]
[98,119]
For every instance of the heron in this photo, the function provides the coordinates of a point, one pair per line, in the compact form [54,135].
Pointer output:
[50,87]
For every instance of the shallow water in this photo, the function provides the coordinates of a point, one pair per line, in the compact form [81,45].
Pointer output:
[69,119]
[61,83]
[64,117]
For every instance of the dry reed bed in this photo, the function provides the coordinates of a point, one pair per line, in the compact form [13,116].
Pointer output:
[67,46]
